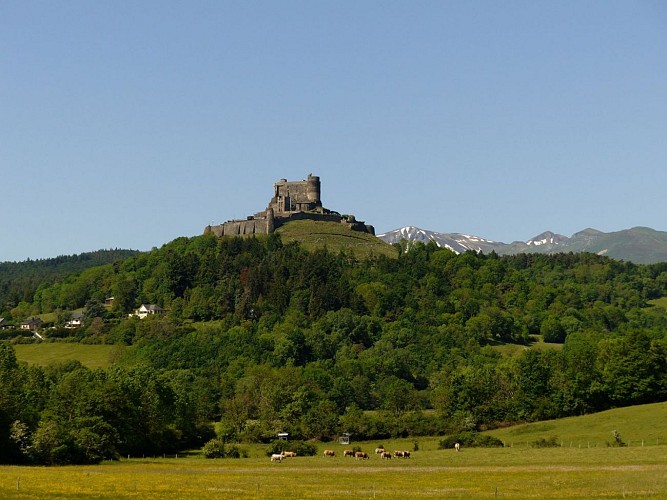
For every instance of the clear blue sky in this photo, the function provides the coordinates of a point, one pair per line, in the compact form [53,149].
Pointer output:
[125,124]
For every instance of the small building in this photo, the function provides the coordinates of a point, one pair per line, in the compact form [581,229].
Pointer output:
[283,436]
[31,324]
[75,321]
[108,301]
[148,310]
[4,325]
[344,438]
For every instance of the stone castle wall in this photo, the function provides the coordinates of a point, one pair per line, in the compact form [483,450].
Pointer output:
[297,200]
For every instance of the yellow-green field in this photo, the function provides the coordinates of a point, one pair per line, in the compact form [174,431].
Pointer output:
[90,355]
[587,468]
[430,473]
[642,425]
[661,302]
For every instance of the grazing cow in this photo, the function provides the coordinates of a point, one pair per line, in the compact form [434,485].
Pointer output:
[398,454]
[277,457]
[379,451]
[361,455]
[348,453]
[386,454]
[457,446]
[406,454]
[289,454]
[329,453]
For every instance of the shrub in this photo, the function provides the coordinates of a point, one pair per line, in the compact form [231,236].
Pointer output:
[301,448]
[236,452]
[216,448]
[618,440]
[470,440]
[552,442]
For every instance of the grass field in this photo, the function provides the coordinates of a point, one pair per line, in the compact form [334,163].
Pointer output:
[518,471]
[661,302]
[335,237]
[430,473]
[90,355]
[640,426]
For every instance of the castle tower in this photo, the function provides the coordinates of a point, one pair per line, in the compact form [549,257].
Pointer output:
[313,190]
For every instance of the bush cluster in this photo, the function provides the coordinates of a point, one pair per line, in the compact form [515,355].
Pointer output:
[551,442]
[301,448]
[216,448]
[470,440]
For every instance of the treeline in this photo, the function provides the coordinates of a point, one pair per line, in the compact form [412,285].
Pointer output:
[68,414]
[269,337]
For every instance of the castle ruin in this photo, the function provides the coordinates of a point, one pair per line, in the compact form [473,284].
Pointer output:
[295,200]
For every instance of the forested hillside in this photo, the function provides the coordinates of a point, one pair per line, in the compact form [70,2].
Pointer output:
[267,336]
[20,280]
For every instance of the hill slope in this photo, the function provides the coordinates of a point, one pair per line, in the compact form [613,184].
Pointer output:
[335,237]
[645,424]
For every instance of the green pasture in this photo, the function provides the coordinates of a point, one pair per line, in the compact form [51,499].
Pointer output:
[511,350]
[471,473]
[90,355]
[335,237]
[643,425]
[661,302]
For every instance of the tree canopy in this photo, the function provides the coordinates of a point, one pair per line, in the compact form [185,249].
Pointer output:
[267,336]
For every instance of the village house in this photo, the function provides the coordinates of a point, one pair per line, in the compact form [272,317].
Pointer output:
[31,324]
[147,310]
[75,321]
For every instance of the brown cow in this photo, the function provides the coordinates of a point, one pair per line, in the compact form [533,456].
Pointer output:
[289,454]
[361,455]
[348,453]
[329,453]
[379,451]
[386,454]
[398,454]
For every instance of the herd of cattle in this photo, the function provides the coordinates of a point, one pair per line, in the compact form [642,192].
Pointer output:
[362,455]
[357,455]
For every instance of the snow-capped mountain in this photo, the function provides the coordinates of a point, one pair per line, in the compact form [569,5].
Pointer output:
[456,242]
[547,238]
[641,245]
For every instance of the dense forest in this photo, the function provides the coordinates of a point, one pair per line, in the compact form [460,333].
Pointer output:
[19,280]
[264,336]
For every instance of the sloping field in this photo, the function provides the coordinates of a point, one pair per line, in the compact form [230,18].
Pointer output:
[335,237]
[90,355]
[644,425]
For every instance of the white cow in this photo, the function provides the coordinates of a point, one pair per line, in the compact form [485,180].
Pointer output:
[457,446]
[277,457]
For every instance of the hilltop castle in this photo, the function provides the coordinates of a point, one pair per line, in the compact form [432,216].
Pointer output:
[296,200]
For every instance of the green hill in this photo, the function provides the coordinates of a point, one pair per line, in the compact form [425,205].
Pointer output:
[335,237]
[641,425]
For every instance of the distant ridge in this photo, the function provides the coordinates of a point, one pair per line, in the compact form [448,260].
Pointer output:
[641,245]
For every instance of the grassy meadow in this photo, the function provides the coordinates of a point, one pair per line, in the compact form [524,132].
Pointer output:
[643,425]
[430,473]
[335,237]
[90,355]
[516,471]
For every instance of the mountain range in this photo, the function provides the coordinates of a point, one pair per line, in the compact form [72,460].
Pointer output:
[641,245]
